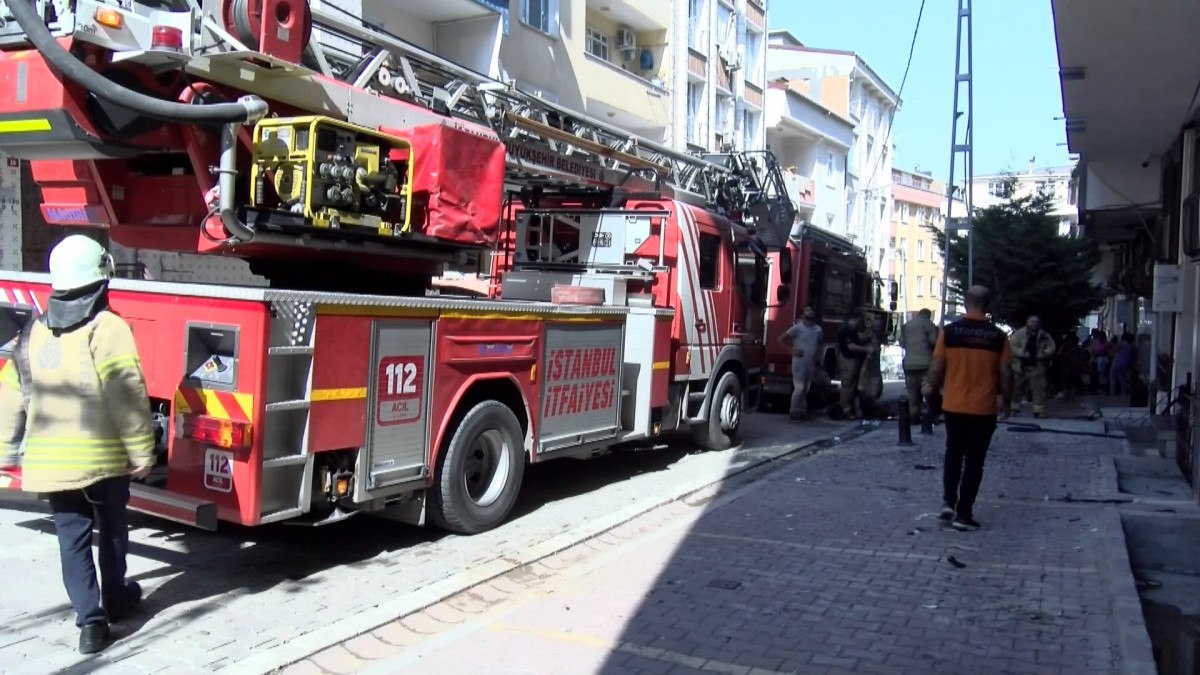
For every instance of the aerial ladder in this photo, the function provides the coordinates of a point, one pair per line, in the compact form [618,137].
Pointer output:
[369,94]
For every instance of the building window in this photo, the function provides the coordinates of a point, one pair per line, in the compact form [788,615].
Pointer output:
[920,286]
[695,100]
[830,169]
[933,286]
[750,130]
[903,290]
[921,250]
[710,261]
[903,211]
[597,43]
[998,188]
[541,15]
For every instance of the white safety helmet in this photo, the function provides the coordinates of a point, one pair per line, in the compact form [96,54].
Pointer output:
[78,261]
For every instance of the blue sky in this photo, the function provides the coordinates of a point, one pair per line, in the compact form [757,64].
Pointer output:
[1015,74]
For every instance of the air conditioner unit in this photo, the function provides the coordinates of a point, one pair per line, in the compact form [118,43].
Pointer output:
[626,42]
[730,55]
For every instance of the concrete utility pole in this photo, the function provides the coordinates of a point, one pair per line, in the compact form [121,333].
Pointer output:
[962,79]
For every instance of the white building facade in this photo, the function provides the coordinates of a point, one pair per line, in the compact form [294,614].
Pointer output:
[812,144]
[1057,182]
[842,82]
[718,75]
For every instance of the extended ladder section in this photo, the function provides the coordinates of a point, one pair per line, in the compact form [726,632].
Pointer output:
[352,71]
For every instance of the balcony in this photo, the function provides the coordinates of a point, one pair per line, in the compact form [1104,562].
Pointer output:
[802,191]
[756,16]
[754,96]
[697,65]
[644,15]
[724,77]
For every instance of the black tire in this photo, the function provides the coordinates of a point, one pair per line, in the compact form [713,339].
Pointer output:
[480,471]
[723,429]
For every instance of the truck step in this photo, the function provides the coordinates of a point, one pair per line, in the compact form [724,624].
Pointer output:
[290,351]
[288,460]
[280,515]
[280,406]
[173,506]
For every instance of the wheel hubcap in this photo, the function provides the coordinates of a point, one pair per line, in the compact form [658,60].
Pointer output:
[485,473]
[731,412]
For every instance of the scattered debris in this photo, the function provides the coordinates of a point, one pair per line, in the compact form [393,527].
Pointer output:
[915,530]
[964,548]
[1166,510]
[725,584]
[1074,520]
[923,516]
[956,562]
[1147,583]
[930,606]
[924,467]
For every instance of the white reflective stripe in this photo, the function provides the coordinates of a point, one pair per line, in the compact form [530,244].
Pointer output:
[4,295]
[706,346]
[36,305]
[20,297]
[689,284]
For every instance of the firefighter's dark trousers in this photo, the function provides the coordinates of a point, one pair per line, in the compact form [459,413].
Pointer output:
[76,512]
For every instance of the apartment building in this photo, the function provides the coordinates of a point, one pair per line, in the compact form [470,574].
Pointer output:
[719,74]
[607,59]
[812,144]
[1057,182]
[919,203]
[842,82]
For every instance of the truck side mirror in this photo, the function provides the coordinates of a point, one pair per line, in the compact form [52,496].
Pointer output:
[894,294]
[783,293]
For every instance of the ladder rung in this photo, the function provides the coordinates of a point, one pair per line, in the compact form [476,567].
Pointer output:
[962,148]
[963,77]
[289,460]
[280,406]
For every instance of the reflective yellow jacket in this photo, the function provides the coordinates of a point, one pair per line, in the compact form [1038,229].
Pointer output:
[88,415]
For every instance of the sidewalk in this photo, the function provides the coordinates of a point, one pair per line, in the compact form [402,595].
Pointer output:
[832,563]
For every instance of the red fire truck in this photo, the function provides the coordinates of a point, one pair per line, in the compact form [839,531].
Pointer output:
[815,269]
[631,305]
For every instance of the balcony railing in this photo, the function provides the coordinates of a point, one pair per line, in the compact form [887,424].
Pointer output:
[754,95]
[697,64]
[801,189]
[755,15]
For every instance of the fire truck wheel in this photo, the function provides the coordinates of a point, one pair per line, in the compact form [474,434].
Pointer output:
[723,429]
[480,471]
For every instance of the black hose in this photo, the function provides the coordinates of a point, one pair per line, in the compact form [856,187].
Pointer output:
[75,70]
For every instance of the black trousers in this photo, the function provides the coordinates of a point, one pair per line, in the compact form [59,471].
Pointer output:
[967,441]
[76,512]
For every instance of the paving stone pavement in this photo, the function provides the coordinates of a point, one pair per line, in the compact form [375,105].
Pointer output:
[829,563]
[253,599]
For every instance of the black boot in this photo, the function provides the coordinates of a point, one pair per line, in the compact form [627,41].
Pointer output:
[93,638]
[120,606]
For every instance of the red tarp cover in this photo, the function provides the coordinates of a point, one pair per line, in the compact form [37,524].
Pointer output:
[458,183]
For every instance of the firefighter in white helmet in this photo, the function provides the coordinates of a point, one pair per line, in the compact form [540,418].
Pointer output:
[73,397]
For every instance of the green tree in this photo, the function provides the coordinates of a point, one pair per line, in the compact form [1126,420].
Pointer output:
[1030,269]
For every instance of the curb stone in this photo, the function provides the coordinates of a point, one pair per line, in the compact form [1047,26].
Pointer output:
[310,643]
[1135,655]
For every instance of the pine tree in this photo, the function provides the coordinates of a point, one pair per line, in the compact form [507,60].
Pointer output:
[1029,267]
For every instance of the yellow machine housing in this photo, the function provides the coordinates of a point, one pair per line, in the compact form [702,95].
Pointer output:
[333,174]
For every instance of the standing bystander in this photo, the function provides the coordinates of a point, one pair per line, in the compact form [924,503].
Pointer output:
[973,362]
[852,352]
[804,339]
[74,396]
[918,337]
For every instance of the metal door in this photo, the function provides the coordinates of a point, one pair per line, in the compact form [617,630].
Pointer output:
[399,402]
